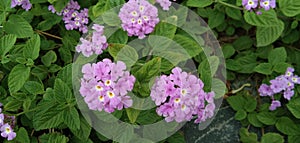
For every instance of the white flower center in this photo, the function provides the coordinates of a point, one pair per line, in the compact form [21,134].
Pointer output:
[101,98]
[134,13]
[250,2]
[110,94]
[99,88]
[183,92]
[294,79]
[145,18]
[7,130]
[183,107]
[266,3]
[132,20]
[142,8]
[139,21]
[107,82]
[177,100]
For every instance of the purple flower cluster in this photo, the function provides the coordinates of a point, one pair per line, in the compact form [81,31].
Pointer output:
[6,125]
[73,17]
[283,84]
[95,43]
[105,86]
[165,4]
[138,17]
[24,3]
[180,97]
[257,4]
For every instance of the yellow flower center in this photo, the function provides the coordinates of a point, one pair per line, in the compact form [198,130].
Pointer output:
[183,92]
[139,21]
[99,88]
[266,3]
[134,13]
[101,98]
[183,107]
[177,100]
[110,94]
[7,130]
[142,8]
[250,2]
[107,82]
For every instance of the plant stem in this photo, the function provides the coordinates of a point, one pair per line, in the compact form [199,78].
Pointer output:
[48,34]
[238,90]
[228,4]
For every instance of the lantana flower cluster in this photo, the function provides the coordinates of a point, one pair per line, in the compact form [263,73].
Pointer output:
[94,43]
[6,125]
[105,86]
[25,4]
[73,17]
[283,84]
[180,97]
[259,4]
[138,17]
[165,4]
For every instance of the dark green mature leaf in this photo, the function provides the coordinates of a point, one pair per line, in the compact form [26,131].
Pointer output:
[215,19]
[66,75]
[293,138]
[17,25]
[240,115]
[63,93]
[267,35]
[105,5]
[267,118]
[294,106]
[260,20]
[287,126]
[84,131]
[176,138]
[290,8]
[236,102]
[111,18]
[272,138]
[13,105]
[49,58]
[247,137]
[71,118]
[243,43]
[5,5]
[119,36]
[22,136]
[32,47]
[281,67]
[228,50]
[252,118]
[277,55]
[58,4]
[6,43]
[17,77]
[34,87]
[53,138]
[264,68]
[233,13]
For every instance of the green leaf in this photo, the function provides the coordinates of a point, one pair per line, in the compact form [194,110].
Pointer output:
[199,3]
[264,68]
[233,13]
[17,77]
[53,138]
[267,35]
[63,93]
[260,20]
[272,138]
[267,118]
[209,66]
[215,19]
[293,138]
[176,138]
[277,55]
[48,117]
[49,58]
[247,137]
[13,105]
[22,136]
[59,4]
[236,102]
[34,87]
[281,67]
[6,43]
[243,43]
[84,131]
[65,75]
[165,29]
[132,114]
[219,87]
[71,118]
[290,8]
[128,55]
[5,5]
[17,25]
[240,115]
[149,70]
[32,47]
[287,126]
[294,106]
[111,18]
[252,118]
[228,50]
[104,5]
[119,37]
[190,45]
[251,103]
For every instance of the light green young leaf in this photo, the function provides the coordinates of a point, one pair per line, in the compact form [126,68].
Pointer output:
[49,58]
